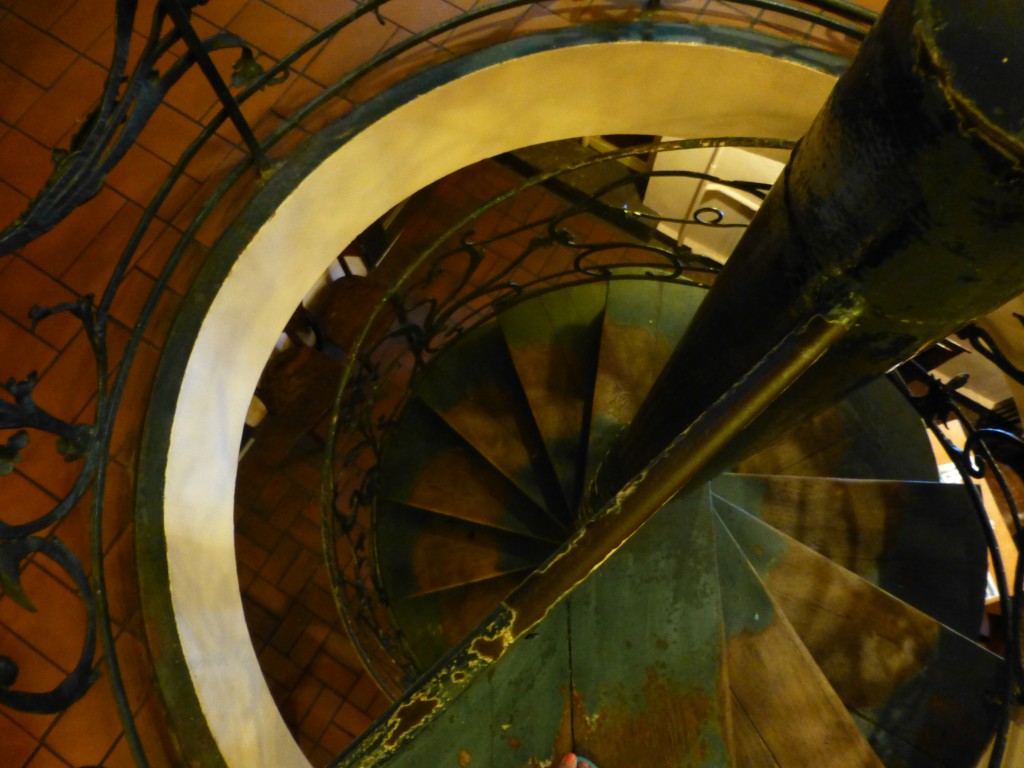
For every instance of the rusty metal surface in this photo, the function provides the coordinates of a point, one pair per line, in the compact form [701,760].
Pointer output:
[776,683]
[648,671]
[553,340]
[474,387]
[917,541]
[915,681]
[428,459]
[643,321]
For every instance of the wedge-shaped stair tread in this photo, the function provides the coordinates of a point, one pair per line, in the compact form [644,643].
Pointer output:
[649,685]
[553,340]
[787,703]
[431,467]
[919,541]
[872,434]
[918,682]
[437,621]
[474,387]
[430,553]
[643,322]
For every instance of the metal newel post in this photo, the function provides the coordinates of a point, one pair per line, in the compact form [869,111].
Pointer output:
[906,197]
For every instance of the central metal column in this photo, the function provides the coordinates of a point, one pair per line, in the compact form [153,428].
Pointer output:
[904,202]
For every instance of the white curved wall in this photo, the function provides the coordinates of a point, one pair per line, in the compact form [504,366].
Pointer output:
[675,89]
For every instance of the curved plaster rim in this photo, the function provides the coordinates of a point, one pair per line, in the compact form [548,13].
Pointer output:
[580,87]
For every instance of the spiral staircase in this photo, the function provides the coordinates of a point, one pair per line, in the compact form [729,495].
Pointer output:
[816,606]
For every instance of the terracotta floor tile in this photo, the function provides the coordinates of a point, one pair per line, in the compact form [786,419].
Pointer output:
[268,29]
[37,55]
[335,676]
[309,643]
[487,31]
[102,49]
[269,597]
[317,15]
[220,12]
[153,735]
[136,670]
[83,23]
[139,175]
[416,15]
[352,46]
[153,260]
[363,693]
[24,501]
[352,720]
[118,503]
[55,251]
[44,466]
[277,668]
[134,403]
[57,609]
[335,740]
[261,622]
[44,758]
[300,571]
[168,133]
[36,673]
[40,14]
[301,698]
[19,92]
[12,203]
[87,731]
[24,286]
[281,558]
[192,94]
[217,154]
[425,55]
[120,572]
[21,352]
[91,271]
[321,713]
[70,382]
[249,553]
[18,745]
[24,163]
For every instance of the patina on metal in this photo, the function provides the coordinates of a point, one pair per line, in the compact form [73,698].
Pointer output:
[906,195]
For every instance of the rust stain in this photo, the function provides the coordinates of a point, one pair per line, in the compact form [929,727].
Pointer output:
[668,728]
[408,716]
[631,359]
[464,758]
[489,648]
[866,643]
[514,743]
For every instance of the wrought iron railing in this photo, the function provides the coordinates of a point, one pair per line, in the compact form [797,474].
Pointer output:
[423,319]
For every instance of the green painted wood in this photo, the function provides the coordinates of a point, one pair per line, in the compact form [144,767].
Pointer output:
[512,714]
[643,322]
[474,387]
[435,623]
[918,541]
[786,706]
[428,465]
[916,681]
[553,340]
[649,684]
[419,552]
